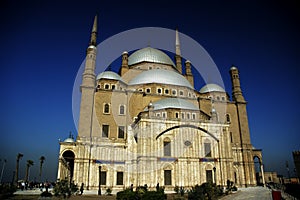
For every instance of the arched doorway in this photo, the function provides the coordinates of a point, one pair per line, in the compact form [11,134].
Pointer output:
[260,179]
[69,158]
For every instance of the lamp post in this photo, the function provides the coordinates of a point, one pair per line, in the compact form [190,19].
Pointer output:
[215,175]
[99,189]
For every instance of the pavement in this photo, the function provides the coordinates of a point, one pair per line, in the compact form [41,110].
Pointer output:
[250,193]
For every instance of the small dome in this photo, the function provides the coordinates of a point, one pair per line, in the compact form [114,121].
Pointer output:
[149,54]
[109,75]
[70,140]
[173,103]
[161,76]
[211,88]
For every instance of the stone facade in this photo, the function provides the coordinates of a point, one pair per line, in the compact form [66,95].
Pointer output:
[148,125]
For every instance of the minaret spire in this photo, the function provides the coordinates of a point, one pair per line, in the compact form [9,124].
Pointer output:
[93,40]
[177,43]
[178,53]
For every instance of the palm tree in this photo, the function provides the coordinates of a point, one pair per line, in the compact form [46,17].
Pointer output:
[42,158]
[19,156]
[3,166]
[28,165]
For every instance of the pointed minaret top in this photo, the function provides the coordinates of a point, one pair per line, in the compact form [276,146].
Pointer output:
[94,32]
[177,43]
[95,24]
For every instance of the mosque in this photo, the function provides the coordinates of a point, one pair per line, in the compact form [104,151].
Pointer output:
[147,124]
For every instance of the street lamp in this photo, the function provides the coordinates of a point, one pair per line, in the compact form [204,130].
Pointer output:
[215,175]
[99,189]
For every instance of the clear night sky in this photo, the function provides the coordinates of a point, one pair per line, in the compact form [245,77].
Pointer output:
[43,45]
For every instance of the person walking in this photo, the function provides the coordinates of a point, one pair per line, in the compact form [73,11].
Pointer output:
[81,188]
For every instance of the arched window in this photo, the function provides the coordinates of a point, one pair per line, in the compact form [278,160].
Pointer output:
[159,90]
[227,118]
[207,149]
[106,108]
[121,132]
[105,130]
[194,116]
[166,91]
[122,110]
[167,147]
[174,92]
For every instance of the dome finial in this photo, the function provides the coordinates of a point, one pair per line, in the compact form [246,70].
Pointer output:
[71,135]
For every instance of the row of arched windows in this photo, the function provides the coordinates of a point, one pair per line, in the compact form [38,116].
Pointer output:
[106,109]
[167,91]
[167,148]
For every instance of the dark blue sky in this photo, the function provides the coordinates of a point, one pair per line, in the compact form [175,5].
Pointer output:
[43,45]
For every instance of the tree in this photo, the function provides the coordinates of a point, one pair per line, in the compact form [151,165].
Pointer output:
[42,158]
[3,166]
[28,165]
[19,156]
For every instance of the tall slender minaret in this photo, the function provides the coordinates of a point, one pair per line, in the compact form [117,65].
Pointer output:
[237,94]
[243,126]
[87,87]
[178,53]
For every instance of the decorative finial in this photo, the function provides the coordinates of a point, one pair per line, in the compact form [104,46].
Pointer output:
[71,135]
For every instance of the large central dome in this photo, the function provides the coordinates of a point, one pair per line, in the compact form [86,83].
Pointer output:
[149,54]
[161,76]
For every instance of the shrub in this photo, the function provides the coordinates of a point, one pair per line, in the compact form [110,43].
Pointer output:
[234,188]
[7,190]
[46,194]
[63,189]
[108,191]
[205,191]
[196,193]
[141,193]
[176,189]
[126,195]
[150,195]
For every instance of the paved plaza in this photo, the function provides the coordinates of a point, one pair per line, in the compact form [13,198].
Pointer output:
[255,193]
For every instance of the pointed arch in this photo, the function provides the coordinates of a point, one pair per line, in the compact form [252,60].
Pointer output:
[187,126]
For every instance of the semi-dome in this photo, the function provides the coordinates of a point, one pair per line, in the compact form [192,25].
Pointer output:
[161,76]
[173,103]
[211,88]
[109,75]
[149,54]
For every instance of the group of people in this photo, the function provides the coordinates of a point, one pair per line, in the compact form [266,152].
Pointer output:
[32,185]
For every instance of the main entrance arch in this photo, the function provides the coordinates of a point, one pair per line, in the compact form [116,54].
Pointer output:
[67,161]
